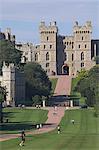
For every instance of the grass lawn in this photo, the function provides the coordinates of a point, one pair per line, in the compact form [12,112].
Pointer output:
[83,135]
[54,82]
[22,119]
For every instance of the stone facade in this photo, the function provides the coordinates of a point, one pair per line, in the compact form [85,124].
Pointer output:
[14,83]
[61,54]
[7,35]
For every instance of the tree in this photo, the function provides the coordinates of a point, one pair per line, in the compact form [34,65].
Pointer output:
[9,53]
[88,86]
[37,100]
[37,82]
[2,98]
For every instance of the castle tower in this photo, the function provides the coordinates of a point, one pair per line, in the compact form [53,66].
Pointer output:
[48,47]
[82,46]
[9,82]
[9,36]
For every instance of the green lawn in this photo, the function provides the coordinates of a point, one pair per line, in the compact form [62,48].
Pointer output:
[83,135]
[54,82]
[22,119]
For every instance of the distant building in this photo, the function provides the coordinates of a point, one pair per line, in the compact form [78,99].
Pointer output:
[95,49]
[59,54]
[14,82]
[7,35]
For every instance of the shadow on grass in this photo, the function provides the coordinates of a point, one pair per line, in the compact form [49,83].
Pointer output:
[17,126]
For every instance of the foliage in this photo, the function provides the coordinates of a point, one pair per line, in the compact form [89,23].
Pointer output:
[37,100]
[9,53]
[37,82]
[2,98]
[88,86]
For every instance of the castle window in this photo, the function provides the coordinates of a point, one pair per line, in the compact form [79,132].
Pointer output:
[82,38]
[65,56]
[50,46]
[36,57]
[47,65]
[47,38]
[72,57]
[85,45]
[47,56]
[82,64]
[67,43]
[44,46]
[82,56]
[72,46]
[88,31]
[78,46]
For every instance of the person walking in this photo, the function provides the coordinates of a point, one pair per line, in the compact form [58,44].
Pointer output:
[58,129]
[22,138]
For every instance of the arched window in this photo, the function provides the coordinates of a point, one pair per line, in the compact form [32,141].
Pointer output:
[36,57]
[47,56]
[72,57]
[82,56]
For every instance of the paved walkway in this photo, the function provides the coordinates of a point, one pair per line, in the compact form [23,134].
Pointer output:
[54,118]
[63,86]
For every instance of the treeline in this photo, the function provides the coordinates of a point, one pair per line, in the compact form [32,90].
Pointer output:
[88,85]
[36,79]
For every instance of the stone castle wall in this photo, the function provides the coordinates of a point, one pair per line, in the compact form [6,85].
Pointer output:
[61,54]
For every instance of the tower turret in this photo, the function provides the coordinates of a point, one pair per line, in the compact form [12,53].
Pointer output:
[48,46]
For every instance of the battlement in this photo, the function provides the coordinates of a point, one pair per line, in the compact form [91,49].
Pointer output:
[51,28]
[8,66]
[87,28]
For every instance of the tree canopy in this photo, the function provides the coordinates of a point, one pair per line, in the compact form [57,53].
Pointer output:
[9,53]
[88,86]
[37,82]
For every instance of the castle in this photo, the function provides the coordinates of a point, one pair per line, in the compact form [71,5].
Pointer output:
[59,54]
[14,82]
[56,54]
